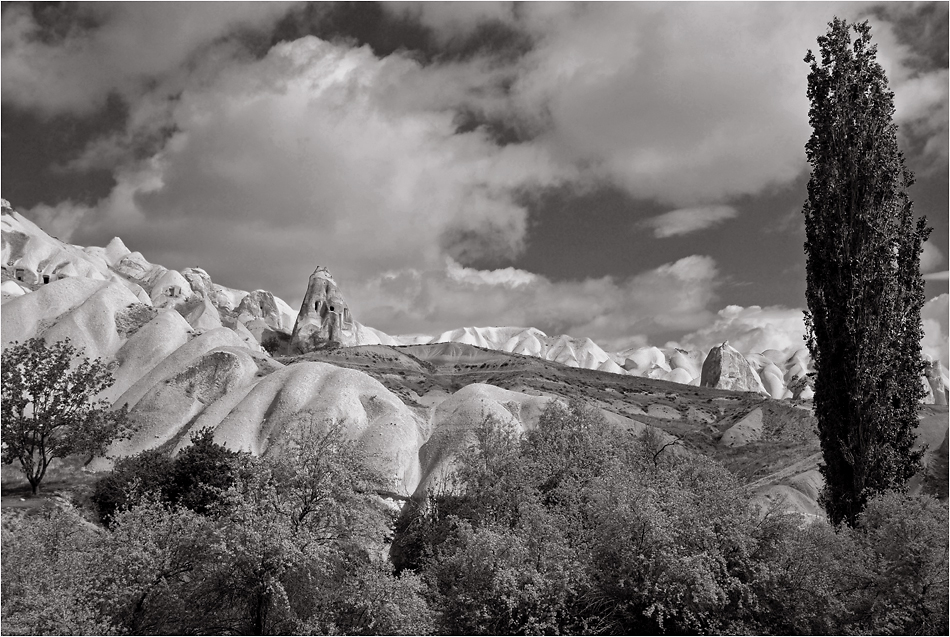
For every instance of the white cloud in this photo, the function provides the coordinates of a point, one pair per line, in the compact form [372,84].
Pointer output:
[615,314]
[131,44]
[755,329]
[62,220]
[686,220]
[320,153]
[323,153]
[750,329]
[685,103]
[659,98]
[930,258]
[508,277]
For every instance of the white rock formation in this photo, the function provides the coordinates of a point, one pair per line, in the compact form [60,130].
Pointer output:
[726,368]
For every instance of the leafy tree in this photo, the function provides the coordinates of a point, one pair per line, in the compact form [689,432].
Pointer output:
[904,571]
[131,480]
[580,527]
[49,408]
[49,563]
[151,570]
[196,478]
[292,528]
[865,291]
[202,472]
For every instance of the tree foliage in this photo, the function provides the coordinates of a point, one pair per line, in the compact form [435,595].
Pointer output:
[864,288]
[576,528]
[582,527]
[579,527]
[49,408]
[218,542]
[195,479]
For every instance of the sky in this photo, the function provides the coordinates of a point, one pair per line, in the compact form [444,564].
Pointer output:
[629,172]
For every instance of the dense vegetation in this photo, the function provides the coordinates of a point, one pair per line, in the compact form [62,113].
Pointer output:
[864,287]
[576,527]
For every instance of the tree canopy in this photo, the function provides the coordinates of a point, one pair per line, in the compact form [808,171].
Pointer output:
[864,288]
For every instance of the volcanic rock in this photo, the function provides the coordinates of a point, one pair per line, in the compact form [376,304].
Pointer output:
[936,378]
[726,368]
[324,319]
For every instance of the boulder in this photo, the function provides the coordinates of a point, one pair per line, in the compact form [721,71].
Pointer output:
[726,368]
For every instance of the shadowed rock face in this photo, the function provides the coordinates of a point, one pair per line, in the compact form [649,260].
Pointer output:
[726,368]
[324,319]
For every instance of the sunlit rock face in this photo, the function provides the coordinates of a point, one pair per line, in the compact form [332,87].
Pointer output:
[935,383]
[726,368]
[324,319]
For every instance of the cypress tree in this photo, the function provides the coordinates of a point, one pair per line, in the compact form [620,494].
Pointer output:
[864,288]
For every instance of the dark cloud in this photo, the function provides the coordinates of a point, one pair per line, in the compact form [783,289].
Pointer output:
[924,27]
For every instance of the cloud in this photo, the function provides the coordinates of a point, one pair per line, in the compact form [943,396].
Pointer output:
[62,220]
[686,220]
[755,329]
[752,329]
[125,47]
[930,258]
[324,153]
[319,153]
[684,103]
[906,35]
[657,99]
[452,19]
[615,314]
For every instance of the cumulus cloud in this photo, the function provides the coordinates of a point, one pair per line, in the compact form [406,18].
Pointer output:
[755,329]
[752,329]
[615,314]
[657,97]
[930,258]
[321,153]
[686,220]
[123,47]
[684,103]
[921,88]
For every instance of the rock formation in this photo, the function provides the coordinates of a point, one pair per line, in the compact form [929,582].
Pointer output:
[324,319]
[935,379]
[726,368]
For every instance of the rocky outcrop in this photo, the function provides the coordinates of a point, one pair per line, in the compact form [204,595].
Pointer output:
[324,319]
[935,380]
[726,368]
[260,304]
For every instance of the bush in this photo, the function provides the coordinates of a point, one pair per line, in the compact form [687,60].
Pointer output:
[194,479]
[580,526]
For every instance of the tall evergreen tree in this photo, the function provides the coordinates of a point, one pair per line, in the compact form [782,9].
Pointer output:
[865,291]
